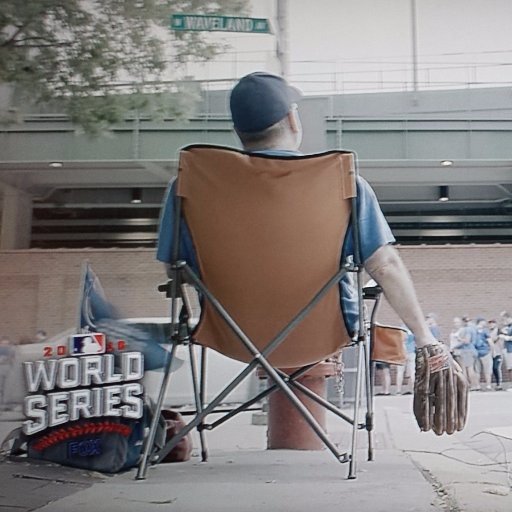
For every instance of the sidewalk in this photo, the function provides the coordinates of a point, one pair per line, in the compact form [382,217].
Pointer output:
[416,472]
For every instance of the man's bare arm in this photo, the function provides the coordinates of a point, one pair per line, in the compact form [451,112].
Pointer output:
[389,271]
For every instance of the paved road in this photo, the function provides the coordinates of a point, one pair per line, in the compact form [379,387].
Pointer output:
[467,472]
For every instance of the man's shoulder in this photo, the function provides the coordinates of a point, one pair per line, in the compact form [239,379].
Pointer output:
[363,187]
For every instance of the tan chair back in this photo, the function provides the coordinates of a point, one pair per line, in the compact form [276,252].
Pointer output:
[388,344]
[268,233]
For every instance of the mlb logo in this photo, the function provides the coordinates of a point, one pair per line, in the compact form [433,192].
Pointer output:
[89,343]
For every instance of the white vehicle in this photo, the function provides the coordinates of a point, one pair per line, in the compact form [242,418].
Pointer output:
[220,369]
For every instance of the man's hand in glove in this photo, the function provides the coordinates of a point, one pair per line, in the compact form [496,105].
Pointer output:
[440,391]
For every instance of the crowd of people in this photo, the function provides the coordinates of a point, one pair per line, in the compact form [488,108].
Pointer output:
[482,347]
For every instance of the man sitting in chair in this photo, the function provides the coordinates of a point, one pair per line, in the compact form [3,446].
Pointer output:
[265,117]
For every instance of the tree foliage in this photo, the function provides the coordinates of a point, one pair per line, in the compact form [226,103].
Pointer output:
[100,58]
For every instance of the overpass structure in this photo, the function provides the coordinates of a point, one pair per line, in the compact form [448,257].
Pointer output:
[62,189]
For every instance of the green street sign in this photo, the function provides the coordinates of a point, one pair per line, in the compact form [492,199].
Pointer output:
[200,22]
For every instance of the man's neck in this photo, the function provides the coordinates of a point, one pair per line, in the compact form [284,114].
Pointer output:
[270,147]
[276,152]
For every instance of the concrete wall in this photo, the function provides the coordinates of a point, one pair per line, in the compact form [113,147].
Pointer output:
[39,289]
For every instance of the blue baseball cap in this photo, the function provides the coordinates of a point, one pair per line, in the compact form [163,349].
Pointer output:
[260,100]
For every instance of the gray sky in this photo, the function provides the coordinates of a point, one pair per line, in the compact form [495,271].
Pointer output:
[367,44]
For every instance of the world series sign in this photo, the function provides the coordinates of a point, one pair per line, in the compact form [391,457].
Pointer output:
[75,401]
[86,385]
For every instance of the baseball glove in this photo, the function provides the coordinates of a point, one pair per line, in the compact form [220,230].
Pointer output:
[440,391]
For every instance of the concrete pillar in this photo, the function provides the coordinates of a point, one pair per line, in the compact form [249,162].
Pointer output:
[313,113]
[16,221]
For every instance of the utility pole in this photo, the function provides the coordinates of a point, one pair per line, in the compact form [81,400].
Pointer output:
[414,37]
[282,52]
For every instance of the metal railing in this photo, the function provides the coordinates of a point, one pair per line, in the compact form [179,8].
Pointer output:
[450,71]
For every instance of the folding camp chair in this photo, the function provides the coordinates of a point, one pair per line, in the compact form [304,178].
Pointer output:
[387,343]
[268,234]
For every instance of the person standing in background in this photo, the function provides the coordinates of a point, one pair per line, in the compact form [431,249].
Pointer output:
[431,319]
[40,336]
[506,337]
[462,345]
[497,349]
[385,372]
[483,348]
[409,368]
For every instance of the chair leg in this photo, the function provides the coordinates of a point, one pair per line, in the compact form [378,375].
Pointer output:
[202,394]
[150,441]
[199,396]
[355,425]
[208,409]
[369,400]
